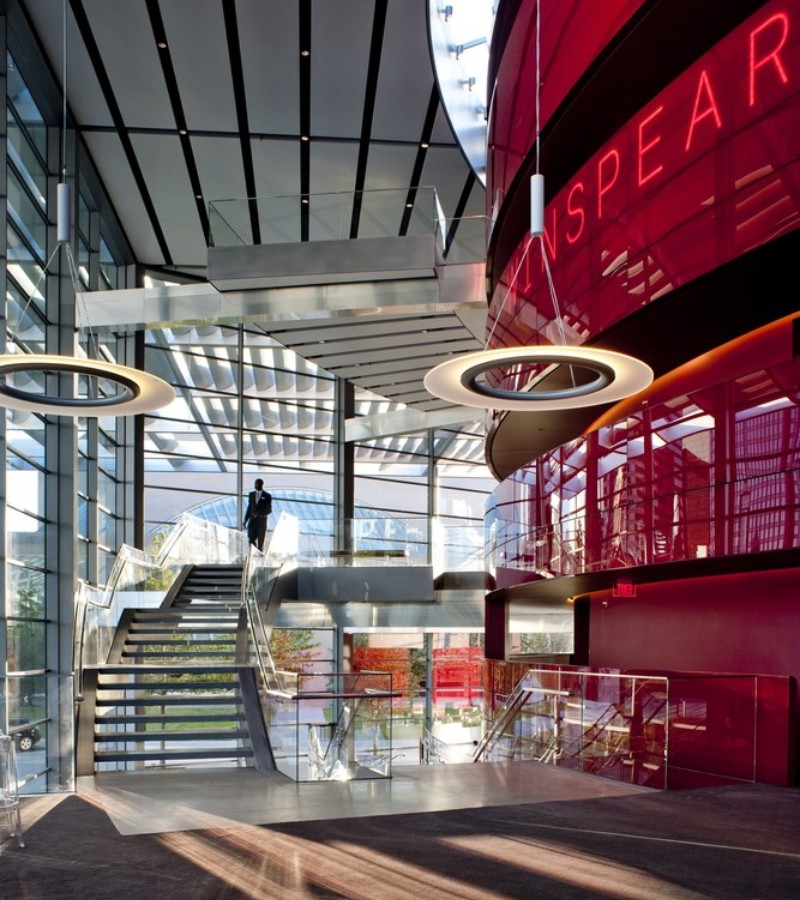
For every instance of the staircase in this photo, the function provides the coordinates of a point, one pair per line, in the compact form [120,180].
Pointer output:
[172,691]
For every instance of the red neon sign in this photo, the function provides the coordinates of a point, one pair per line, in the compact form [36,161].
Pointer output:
[700,176]
[658,142]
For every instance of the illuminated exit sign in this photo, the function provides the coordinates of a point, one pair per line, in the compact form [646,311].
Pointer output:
[624,587]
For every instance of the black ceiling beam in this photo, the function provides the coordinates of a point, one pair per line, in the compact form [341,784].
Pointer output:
[304,14]
[459,210]
[168,70]
[419,162]
[85,29]
[371,90]
[240,102]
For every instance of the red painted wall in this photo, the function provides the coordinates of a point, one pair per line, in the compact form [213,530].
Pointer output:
[742,623]
[730,623]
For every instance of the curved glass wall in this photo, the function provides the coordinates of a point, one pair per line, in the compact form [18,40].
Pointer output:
[460,36]
[713,472]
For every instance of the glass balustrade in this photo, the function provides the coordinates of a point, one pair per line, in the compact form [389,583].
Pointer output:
[324,217]
[379,541]
[334,726]
[659,730]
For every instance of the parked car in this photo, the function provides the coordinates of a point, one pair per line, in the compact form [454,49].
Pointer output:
[25,738]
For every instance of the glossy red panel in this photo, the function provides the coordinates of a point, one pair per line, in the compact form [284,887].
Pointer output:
[703,174]
[735,728]
[585,28]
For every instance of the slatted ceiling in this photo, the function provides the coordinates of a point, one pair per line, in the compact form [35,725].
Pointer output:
[248,379]
[251,415]
[222,373]
[264,378]
[374,345]
[231,65]
[410,398]
[358,327]
[377,370]
[330,362]
[367,96]
[405,377]
[227,444]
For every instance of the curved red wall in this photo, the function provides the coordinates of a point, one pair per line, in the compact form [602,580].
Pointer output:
[700,176]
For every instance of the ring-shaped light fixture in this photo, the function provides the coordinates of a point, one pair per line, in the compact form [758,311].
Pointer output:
[140,392]
[616,376]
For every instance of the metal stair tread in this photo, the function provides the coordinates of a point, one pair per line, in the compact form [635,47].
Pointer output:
[171,717]
[171,613]
[222,700]
[177,654]
[143,641]
[186,753]
[198,734]
[180,628]
[167,685]
[137,668]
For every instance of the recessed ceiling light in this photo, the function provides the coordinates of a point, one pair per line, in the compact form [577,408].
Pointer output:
[303,137]
[305,53]
[162,45]
[182,131]
[424,145]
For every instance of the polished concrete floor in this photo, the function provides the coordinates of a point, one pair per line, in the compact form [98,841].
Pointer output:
[189,799]
[457,832]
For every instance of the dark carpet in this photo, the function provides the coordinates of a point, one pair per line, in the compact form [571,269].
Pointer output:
[726,843]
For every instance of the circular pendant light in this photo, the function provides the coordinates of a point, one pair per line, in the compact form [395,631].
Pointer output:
[616,376]
[138,391]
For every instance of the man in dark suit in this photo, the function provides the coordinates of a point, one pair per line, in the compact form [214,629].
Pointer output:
[259,506]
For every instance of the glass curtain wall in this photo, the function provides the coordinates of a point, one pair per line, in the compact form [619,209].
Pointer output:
[438,675]
[62,495]
[246,407]
[25,450]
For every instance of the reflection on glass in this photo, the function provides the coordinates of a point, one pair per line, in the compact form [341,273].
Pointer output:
[26,641]
[646,489]
[25,538]
[25,592]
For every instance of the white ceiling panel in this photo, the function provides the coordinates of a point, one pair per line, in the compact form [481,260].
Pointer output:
[197,45]
[219,166]
[160,159]
[333,165]
[269,39]
[406,78]
[86,98]
[277,168]
[341,36]
[442,168]
[390,167]
[133,69]
[112,165]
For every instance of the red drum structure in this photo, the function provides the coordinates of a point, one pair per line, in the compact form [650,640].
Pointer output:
[670,522]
